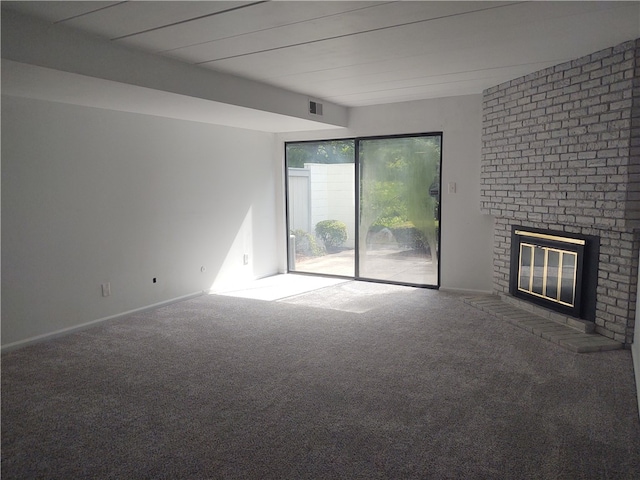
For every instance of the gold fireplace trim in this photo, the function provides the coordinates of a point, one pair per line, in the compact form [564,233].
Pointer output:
[555,238]
[528,287]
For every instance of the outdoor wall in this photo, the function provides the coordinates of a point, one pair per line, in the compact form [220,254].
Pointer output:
[91,196]
[466,244]
[332,196]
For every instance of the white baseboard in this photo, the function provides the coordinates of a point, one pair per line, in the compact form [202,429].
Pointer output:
[83,326]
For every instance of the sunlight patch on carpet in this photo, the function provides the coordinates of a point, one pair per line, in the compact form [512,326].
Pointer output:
[278,287]
[353,296]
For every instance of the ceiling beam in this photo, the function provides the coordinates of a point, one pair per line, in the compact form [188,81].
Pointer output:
[32,41]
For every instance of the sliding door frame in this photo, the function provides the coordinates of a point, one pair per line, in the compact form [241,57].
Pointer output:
[357,205]
[287,212]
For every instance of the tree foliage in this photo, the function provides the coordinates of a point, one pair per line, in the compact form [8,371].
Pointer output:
[396,178]
[333,151]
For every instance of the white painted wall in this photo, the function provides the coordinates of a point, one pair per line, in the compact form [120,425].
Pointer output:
[92,196]
[467,235]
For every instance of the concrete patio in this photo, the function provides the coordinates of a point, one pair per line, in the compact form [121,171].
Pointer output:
[386,263]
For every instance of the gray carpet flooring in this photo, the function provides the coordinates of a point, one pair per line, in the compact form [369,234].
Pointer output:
[354,381]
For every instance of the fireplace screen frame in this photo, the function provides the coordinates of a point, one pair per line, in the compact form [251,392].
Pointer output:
[548,291]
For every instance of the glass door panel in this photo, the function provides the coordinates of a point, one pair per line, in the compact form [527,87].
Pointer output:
[399,217]
[321,207]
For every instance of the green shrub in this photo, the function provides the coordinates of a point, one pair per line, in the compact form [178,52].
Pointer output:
[410,237]
[333,233]
[390,222]
[306,244]
[404,232]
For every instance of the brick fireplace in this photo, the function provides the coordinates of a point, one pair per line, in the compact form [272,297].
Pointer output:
[561,153]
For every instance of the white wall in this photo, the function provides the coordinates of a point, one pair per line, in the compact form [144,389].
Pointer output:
[92,196]
[467,235]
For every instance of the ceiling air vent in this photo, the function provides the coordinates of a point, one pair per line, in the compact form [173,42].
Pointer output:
[315,108]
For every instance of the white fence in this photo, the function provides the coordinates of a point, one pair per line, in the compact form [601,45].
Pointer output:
[322,192]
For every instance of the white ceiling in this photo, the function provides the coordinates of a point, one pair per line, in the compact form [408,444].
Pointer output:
[357,53]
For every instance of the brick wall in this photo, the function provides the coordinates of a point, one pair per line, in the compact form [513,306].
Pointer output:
[561,151]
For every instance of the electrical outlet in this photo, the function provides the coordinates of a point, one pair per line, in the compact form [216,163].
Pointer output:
[245,259]
[452,187]
[106,289]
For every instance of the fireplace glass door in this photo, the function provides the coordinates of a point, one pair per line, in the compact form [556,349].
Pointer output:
[548,273]
[547,269]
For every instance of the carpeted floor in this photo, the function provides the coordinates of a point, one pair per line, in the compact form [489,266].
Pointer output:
[399,383]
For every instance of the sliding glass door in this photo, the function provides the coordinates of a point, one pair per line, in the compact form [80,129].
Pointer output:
[365,208]
[321,207]
[399,209]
